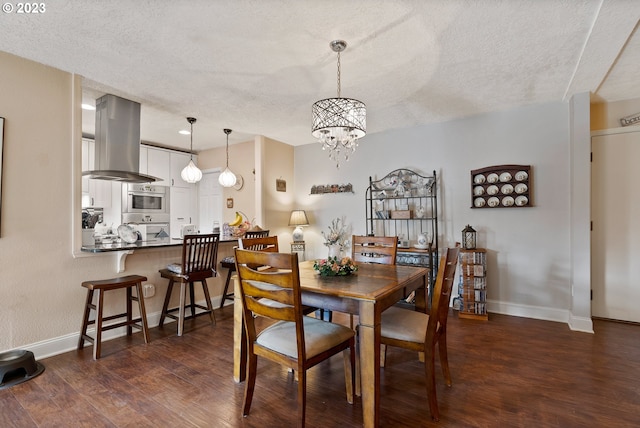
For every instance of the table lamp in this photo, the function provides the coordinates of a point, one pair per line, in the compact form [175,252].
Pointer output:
[298,219]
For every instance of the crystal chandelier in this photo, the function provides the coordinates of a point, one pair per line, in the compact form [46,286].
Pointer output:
[227,178]
[338,122]
[191,173]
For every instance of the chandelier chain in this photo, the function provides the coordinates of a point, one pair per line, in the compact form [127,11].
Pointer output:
[338,74]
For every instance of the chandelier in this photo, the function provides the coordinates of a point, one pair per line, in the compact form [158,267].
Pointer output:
[191,173]
[339,122]
[227,178]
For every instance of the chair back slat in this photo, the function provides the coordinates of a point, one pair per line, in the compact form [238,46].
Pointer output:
[264,243]
[256,233]
[374,249]
[442,293]
[200,253]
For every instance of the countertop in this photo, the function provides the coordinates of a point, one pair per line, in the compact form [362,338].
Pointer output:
[153,243]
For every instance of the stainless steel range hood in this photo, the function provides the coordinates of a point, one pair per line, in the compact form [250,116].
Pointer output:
[117,141]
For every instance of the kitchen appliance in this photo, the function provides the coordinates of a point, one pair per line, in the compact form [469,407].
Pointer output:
[117,141]
[187,229]
[145,203]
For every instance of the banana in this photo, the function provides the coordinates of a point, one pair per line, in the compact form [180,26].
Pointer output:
[237,220]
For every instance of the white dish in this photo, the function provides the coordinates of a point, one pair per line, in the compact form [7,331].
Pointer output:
[521,201]
[493,202]
[521,175]
[507,189]
[521,188]
[421,247]
[479,202]
[493,178]
[505,176]
[127,234]
[479,179]
[507,201]
[478,190]
[492,190]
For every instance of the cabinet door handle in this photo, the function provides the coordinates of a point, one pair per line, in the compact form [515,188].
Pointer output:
[180,218]
[92,202]
[172,181]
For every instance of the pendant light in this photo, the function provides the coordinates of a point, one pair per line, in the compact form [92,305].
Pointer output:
[339,122]
[227,178]
[191,173]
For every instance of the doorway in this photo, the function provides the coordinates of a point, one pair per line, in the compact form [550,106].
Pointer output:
[615,215]
[210,201]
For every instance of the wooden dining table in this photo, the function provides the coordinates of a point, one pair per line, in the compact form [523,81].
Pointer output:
[367,293]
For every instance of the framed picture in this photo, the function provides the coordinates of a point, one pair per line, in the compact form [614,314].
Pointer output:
[1,150]
[229,202]
[281,185]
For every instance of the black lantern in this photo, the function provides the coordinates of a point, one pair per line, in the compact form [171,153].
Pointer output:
[468,238]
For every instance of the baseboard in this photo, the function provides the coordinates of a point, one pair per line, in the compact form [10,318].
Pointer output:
[69,342]
[528,311]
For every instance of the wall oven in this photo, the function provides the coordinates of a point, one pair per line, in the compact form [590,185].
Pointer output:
[145,203]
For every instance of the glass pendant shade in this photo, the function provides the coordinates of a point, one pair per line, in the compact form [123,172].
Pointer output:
[227,178]
[338,123]
[191,174]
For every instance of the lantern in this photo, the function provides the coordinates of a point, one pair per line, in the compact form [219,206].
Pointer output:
[468,238]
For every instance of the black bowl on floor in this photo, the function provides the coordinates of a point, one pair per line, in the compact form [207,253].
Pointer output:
[18,366]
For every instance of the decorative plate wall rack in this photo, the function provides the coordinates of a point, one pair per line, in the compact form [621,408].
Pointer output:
[501,186]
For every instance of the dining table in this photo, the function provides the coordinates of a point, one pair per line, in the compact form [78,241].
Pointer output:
[365,293]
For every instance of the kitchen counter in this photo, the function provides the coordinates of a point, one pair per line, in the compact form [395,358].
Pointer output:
[138,245]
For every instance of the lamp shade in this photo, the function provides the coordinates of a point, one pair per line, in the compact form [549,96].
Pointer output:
[191,173]
[227,178]
[298,219]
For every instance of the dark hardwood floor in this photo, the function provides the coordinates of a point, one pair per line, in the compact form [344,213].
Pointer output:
[507,372]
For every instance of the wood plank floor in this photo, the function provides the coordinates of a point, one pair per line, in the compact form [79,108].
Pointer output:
[508,372]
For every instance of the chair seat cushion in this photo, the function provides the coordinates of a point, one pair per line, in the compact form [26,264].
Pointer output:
[404,324]
[318,337]
[229,260]
[175,268]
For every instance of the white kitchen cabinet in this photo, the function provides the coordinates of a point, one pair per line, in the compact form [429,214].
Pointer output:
[95,193]
[182,208]
[178,162]
[159,165]
[143,168]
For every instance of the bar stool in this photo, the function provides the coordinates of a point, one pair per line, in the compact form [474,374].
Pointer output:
[229,263]
[101,287]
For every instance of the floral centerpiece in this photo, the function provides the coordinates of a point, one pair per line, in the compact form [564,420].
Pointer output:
[333,266]
[337,238]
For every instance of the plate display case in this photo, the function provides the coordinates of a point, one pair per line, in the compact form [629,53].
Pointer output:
[501,186]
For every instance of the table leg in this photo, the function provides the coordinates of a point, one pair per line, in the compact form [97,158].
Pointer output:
[239,337]
[369,330]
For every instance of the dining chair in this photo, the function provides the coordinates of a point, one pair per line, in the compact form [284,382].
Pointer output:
[295,341]
[374,249]
[421,332]
[198,262]
[267,244]
[229,263]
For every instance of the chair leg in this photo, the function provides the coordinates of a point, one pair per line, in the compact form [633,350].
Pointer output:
[192,300]
[181,309]
[444,360]
[429,367]
[226,288]
[250,382]
[143,313]
[207,297]
[97,341]
[165,306]
[85,319]
[349,371]
[129,312]
[302,397]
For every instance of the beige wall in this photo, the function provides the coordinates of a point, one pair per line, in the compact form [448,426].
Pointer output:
[41,299]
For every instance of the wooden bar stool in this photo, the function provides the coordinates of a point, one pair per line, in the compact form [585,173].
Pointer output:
[101,287]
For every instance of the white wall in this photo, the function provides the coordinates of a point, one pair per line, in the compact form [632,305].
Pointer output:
[529,249]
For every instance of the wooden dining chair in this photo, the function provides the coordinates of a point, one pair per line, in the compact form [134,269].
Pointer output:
[374,249]
[421,332]
[295,341]
[229,263]
[198,262]
[267,244]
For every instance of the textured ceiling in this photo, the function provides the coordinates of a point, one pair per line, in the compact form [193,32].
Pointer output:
[257,66]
